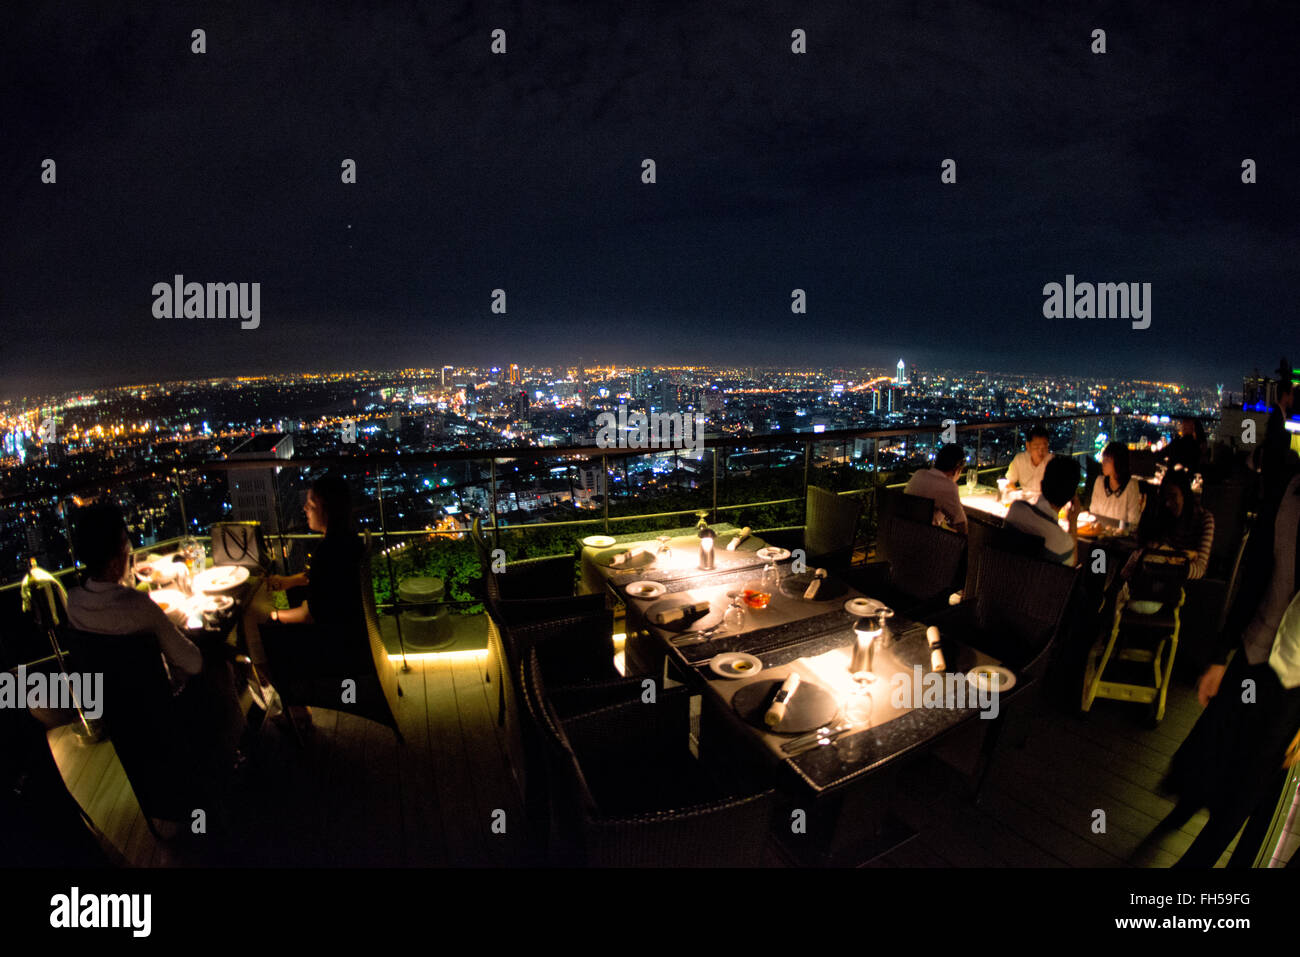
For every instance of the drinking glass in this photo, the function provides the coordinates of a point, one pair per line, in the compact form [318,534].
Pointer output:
[665,550]
[771,575]
[734,619]
[972,479]
[862,659]
[191,551]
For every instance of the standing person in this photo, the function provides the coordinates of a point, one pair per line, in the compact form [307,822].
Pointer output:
[1276,461]
[1179,522]
[939,483]
[1060,488]
[1026,470]
[1232,759]
[1188,449]
[1115,494]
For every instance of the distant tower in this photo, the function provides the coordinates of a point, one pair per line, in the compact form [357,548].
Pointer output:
[514,377]
[902,374]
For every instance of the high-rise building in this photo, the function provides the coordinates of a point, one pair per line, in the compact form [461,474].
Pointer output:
[254,493]
[447,373]
[514,377]
[901,378]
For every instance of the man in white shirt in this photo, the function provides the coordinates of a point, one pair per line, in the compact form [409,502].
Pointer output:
[939,483]
[1026,471]
[1059,487]
[106,606]
[206,696]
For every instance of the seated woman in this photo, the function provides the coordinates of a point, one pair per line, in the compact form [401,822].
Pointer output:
[1116,494]
[1179,522]
[1188,449]
[326,626]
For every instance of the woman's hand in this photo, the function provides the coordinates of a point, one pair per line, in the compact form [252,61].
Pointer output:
[1208,686]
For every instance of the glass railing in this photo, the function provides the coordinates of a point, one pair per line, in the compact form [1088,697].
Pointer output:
[541,501]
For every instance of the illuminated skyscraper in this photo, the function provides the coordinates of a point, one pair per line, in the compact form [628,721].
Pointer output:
[901,378]
[514,376]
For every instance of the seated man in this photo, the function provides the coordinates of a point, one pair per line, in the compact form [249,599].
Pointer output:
[939,483]
[1060,486]
[106,606]
[1026,471]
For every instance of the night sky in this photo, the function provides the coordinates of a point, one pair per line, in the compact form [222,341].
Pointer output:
[775,171]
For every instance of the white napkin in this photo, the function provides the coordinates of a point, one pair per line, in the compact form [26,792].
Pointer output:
[671,615]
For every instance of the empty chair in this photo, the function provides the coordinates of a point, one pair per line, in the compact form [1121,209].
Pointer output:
[343,669]
[987,531]
[624,791]
[896,502]
[830,529]
[920,566]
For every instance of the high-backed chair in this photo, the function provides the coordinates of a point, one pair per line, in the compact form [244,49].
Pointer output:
[624,791]
[829,532]
[173,762]
[312,665]
[919,566]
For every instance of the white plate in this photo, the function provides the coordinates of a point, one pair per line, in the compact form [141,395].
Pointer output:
[735,664]
[598,541]
[646,590]
[773,554]
[220,578]
[174,603]
[979,677]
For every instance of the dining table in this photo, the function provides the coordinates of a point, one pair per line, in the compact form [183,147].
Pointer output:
[841,776]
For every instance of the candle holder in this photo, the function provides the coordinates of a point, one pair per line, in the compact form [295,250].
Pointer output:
[707,537]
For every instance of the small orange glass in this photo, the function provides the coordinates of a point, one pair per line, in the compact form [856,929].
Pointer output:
[755,598]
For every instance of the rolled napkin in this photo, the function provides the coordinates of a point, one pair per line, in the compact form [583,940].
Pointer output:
[936,653]
[776,712]
[816,583]
[744,534]
[622,558]
[671,615]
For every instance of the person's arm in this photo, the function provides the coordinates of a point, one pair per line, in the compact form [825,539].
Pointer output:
[301,615]
[184,659]
[1133,502]
[285,582]
[1200,557]
[1013,472]
[950,505]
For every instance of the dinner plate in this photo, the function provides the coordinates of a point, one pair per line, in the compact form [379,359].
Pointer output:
[773,554]
[794,586]
[810,707]
[979,677]
[735,664]
[174,603]
[220,578]
[683,626]
[646,590]
[598,541]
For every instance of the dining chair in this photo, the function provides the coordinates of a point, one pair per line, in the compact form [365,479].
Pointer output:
[174,761]
[624,791]
[918,565]
[829,531]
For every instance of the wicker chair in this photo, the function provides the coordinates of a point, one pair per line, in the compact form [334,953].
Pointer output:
[173,763]
[921,566]
[624,791]
[830,529]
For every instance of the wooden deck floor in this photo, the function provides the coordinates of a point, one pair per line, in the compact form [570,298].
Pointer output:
[352,796]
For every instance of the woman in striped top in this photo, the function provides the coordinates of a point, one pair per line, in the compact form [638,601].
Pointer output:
[1179,522]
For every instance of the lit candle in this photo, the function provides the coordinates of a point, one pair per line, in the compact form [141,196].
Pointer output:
[706,548]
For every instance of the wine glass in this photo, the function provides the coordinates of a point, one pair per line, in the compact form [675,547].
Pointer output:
[734,619]
[665,550]
[972,480]
[190,551]
[771,575]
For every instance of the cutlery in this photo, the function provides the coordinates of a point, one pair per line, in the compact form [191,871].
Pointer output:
[823,735]
[703,635]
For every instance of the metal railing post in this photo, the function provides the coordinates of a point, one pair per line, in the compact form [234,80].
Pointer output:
[875,483]
[492,471]
[604,498]
[392,584]
[713,454]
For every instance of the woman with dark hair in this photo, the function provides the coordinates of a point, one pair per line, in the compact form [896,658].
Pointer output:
[330,624]
[1179,522]
[1115,494]
[333,565]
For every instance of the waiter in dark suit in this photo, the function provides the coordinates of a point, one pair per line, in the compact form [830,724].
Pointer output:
[1231,762]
